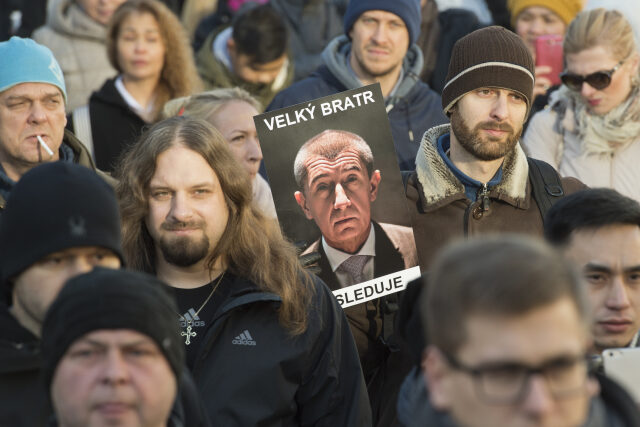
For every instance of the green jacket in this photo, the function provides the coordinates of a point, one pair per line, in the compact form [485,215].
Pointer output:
[215,74]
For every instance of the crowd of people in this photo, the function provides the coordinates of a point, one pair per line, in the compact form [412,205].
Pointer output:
[145,279]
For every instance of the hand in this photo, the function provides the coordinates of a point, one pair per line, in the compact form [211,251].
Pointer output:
[542,82]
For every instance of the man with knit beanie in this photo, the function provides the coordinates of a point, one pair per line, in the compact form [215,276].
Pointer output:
[472,176]
[378,45]
[112,351]
[61,220]
[32,113]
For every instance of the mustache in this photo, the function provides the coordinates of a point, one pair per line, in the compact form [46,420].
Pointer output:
[180,225]
[493,125]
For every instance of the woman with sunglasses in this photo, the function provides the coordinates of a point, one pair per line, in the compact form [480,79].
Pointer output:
[591,129]
[532,19]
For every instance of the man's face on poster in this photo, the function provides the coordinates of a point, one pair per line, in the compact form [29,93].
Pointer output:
[337,194]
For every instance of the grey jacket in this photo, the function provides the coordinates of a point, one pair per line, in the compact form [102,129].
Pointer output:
[78,43]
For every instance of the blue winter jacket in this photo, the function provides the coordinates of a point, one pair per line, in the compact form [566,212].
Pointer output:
[412,107]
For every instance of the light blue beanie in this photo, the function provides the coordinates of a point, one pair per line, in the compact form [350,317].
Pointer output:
[25,61]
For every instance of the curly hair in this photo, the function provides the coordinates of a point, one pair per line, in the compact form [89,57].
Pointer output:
[179,76]
[251,245]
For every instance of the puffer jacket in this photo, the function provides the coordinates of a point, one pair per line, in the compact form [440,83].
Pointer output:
[441,212]
[78,43]
[412,109]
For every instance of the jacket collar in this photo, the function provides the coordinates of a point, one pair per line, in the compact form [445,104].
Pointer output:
[440,186]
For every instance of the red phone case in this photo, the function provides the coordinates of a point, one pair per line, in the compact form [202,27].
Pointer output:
[549,53]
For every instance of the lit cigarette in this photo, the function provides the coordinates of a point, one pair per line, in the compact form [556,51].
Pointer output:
[44,145]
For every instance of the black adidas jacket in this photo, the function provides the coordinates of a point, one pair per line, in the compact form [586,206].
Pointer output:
[251,372]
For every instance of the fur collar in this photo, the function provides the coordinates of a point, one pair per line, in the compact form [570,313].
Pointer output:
[440,186]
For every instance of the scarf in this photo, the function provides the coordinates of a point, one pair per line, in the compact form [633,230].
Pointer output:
[600,134]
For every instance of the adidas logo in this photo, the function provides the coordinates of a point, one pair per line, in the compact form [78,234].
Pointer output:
[193,317]
[244,339]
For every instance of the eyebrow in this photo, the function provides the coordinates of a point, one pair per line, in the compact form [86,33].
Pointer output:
[591,266]
[29,98]
[102,344]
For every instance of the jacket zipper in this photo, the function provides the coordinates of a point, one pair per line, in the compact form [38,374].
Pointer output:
[483,197]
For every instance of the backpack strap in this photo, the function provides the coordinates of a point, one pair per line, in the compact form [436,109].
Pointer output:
[389,305]
[82,127]
[546,183]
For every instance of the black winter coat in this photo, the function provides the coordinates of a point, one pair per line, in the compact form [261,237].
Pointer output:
[114,126]
[266,377]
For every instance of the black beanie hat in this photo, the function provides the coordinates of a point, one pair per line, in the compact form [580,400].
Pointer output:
[407,10]
[56,206]
[111,299]
[489,57]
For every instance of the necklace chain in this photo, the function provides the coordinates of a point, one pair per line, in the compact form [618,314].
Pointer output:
[188,334]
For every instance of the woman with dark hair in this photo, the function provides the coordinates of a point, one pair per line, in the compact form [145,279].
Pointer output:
[592,129]
[147,45]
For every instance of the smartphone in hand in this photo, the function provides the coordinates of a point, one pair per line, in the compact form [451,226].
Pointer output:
[549,53]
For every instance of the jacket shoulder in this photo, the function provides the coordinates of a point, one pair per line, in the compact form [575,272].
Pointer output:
[403,240]
[320,83]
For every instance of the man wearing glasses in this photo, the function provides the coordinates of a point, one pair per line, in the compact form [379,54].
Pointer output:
[507,322]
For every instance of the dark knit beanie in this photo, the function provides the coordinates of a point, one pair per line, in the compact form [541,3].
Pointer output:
[56,206]
[111,299]
[489,57]
[407,10]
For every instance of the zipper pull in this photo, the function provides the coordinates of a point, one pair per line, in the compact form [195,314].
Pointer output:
[483,196]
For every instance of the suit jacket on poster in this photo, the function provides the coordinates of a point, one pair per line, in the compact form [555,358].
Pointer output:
[397,251]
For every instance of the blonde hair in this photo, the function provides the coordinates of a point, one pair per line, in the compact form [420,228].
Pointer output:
[600,27]
[251,245]
[179,76]
[205,105]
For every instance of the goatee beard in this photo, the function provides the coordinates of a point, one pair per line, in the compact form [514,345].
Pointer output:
[488,148]
[183,251]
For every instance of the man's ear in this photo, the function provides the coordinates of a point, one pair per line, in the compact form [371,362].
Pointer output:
[436,374]
[302,202]
[374,183]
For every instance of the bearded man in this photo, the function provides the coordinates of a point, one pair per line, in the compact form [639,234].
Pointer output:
[472,176]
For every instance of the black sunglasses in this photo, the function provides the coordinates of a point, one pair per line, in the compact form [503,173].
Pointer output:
[598,80]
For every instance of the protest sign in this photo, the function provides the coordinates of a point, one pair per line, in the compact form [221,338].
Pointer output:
[336,186]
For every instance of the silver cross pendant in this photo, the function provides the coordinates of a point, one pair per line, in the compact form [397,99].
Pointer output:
[188,334]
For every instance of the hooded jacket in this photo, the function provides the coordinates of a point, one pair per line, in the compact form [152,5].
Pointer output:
[81,156]
[612,408]
[312,379]
[440,211]
[78,43]
[412,107]
[215,74]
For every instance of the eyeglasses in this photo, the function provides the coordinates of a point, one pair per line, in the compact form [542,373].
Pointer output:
[508,383]
[598,80]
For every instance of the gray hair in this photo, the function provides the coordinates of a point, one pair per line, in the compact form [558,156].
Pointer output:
[329,144]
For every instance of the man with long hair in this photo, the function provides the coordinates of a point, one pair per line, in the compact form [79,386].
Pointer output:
[268,343]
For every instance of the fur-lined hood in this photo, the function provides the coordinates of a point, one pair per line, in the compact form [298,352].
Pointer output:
[440,186]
